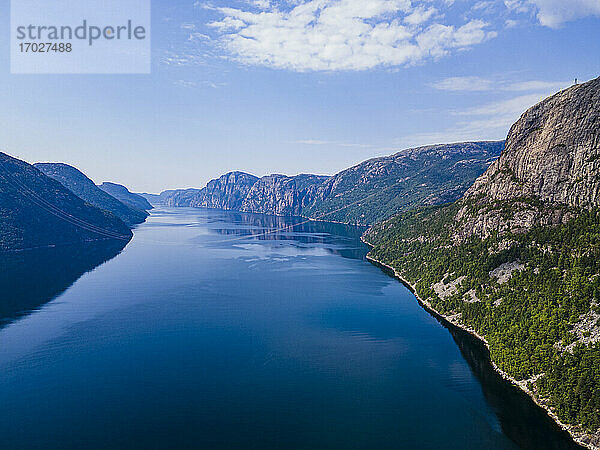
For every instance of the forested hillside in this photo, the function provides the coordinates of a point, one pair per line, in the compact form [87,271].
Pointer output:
[517,260]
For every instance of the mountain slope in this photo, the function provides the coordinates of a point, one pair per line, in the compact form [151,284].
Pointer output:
[122,194]
[517,260]
[282,195]
[85,188]
[379,188]
[226,192]
[364,194]
[37,211]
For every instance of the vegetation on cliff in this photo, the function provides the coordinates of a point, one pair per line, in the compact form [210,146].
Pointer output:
[517,260]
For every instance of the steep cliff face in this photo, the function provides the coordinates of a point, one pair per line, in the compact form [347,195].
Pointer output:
[517,260]
[282,195]
[226,192]
[364,194]
[84,188]
[37,211]
[551,166]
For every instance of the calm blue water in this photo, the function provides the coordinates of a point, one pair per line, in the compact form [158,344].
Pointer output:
[201,335]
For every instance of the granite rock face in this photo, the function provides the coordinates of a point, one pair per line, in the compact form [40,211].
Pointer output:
[549,168]
[226,192]
[282,195]
[364,194]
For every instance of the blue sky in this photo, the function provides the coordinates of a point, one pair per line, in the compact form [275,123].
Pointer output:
[299,86]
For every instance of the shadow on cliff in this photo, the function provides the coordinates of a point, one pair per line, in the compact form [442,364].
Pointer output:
[32,278]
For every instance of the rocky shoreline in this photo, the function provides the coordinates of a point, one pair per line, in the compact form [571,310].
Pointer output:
[588,441]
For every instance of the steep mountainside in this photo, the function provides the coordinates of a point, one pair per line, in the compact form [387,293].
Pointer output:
[85,188]
[364,194]
[282,195]
[517,260]
[37,211]
[226,192]
[122,194]
[379,188]
[550,168]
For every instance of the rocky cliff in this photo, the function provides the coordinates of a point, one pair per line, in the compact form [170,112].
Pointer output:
[550,167]
[226,192]
[282,195]
[364,194]
[517,260]
[381,187]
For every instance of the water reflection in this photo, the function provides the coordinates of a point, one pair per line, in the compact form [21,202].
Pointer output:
[292,230]
[30,279]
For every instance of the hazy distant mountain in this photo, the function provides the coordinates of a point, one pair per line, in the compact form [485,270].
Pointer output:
[122,194]
[364,194]
[85,188]
[37,211]
[153,199]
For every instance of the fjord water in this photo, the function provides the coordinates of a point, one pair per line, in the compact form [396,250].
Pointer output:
[207,332]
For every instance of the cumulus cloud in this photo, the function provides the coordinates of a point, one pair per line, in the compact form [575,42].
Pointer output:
[328,35]
[554,13]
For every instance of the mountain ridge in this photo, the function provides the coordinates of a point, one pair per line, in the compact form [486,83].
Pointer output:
[123,194]
[38,211]
[77,182]
[363,194]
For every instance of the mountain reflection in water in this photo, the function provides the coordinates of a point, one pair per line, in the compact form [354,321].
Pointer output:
[32,278]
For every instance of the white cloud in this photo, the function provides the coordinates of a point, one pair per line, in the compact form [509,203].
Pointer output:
[420,15]
[184,83]
[327,35]
[456,84]
[513,106]
[537,85]
[554,13]
[473,84]
[488,121]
